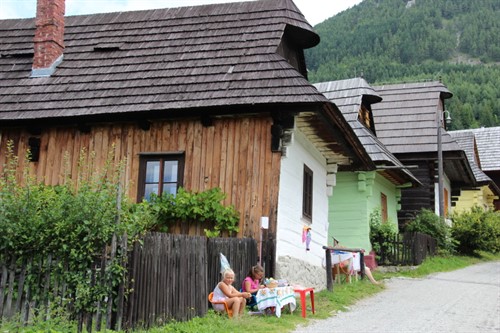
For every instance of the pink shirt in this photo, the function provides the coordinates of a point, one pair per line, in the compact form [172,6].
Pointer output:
[254,284]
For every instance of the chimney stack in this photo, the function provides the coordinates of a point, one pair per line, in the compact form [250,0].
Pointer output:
[49,37]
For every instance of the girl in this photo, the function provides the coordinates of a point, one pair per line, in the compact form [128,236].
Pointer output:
[224,291]
[251,283]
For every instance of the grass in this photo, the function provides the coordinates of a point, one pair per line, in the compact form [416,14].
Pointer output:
[326,304]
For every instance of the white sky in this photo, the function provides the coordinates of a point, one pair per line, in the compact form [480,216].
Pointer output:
[315,11]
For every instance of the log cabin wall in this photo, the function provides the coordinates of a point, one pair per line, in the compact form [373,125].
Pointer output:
[233,154]
[414,199]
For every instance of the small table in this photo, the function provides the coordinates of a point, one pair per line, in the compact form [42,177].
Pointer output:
[276,297]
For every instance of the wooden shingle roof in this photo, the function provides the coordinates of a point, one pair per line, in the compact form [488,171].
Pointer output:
[488,146]
[407,123]
[163,60]
[467,140]
[347,95]
[407,117]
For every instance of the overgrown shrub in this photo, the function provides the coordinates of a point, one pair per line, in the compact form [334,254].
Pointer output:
[203,207]
[429,223]
[67,227]
[477,230]
[381,233]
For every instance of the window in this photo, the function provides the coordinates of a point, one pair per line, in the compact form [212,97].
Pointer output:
[160,173]
[383,205]
[307,193]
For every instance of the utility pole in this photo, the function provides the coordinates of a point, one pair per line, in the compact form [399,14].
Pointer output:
[440,168]
[440,159]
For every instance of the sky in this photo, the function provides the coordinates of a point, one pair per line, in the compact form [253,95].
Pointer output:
[315,11]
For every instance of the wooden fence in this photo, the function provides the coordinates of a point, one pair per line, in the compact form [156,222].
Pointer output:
[172,275]
[37,286]
[168,278]
[410,248]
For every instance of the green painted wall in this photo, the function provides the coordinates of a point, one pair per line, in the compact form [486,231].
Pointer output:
[382,185]
[354,197]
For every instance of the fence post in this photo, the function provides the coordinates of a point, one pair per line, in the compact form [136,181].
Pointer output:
[328,263]
[3,285]
[10,291]
[362,264]
[121,289]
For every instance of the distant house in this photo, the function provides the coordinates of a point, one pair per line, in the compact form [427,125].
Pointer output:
[194,97]
[358,194]
[407,122]
[486,196]
[488,146]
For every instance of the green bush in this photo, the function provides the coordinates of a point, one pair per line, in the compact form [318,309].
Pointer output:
[204,207]
[381,233]
[70,223]
[477,230]
[427,222]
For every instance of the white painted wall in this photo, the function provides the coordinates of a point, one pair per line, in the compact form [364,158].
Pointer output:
[290,220]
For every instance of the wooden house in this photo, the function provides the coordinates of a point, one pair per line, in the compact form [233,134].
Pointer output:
[206,96]
[358,194]
[407,121]
[487,194]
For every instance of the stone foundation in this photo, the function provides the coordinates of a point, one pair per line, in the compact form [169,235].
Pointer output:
[298,272]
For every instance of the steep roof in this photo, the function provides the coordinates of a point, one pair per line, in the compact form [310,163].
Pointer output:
[407,124]
[163,60]
[466,140]
[407,117]
[488,146]
[348,95]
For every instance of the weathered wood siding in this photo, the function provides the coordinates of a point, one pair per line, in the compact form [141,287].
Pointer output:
[414,199]
[233,154]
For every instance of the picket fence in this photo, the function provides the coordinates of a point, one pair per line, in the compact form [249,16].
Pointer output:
[168,278]
[410,248]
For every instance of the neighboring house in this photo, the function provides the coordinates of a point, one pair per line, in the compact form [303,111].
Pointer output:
[483,142]
[193,97]
[358,194]
[407,121]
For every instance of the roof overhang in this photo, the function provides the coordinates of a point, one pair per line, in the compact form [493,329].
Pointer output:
[334,138]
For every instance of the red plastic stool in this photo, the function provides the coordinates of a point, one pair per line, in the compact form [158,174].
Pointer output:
[303,292]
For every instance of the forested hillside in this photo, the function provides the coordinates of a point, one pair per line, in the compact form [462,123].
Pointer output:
[388,41]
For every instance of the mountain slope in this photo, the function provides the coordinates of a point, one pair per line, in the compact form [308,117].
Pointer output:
[399,40]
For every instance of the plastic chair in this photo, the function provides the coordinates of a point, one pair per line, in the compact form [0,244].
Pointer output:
[228,310]
[303,292]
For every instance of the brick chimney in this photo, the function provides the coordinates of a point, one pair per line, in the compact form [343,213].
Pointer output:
[49,37]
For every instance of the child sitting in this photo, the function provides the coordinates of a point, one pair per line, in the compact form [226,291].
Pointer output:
[224,291]
[252,283]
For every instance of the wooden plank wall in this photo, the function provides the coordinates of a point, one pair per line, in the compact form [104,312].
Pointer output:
[233,154]
[414,199]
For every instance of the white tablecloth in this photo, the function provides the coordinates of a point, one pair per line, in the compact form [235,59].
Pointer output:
[340,256]
[276,297]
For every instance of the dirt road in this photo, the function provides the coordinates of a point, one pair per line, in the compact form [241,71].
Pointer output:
[466,300]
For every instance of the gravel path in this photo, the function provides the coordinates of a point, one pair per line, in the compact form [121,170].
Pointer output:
[466,300]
